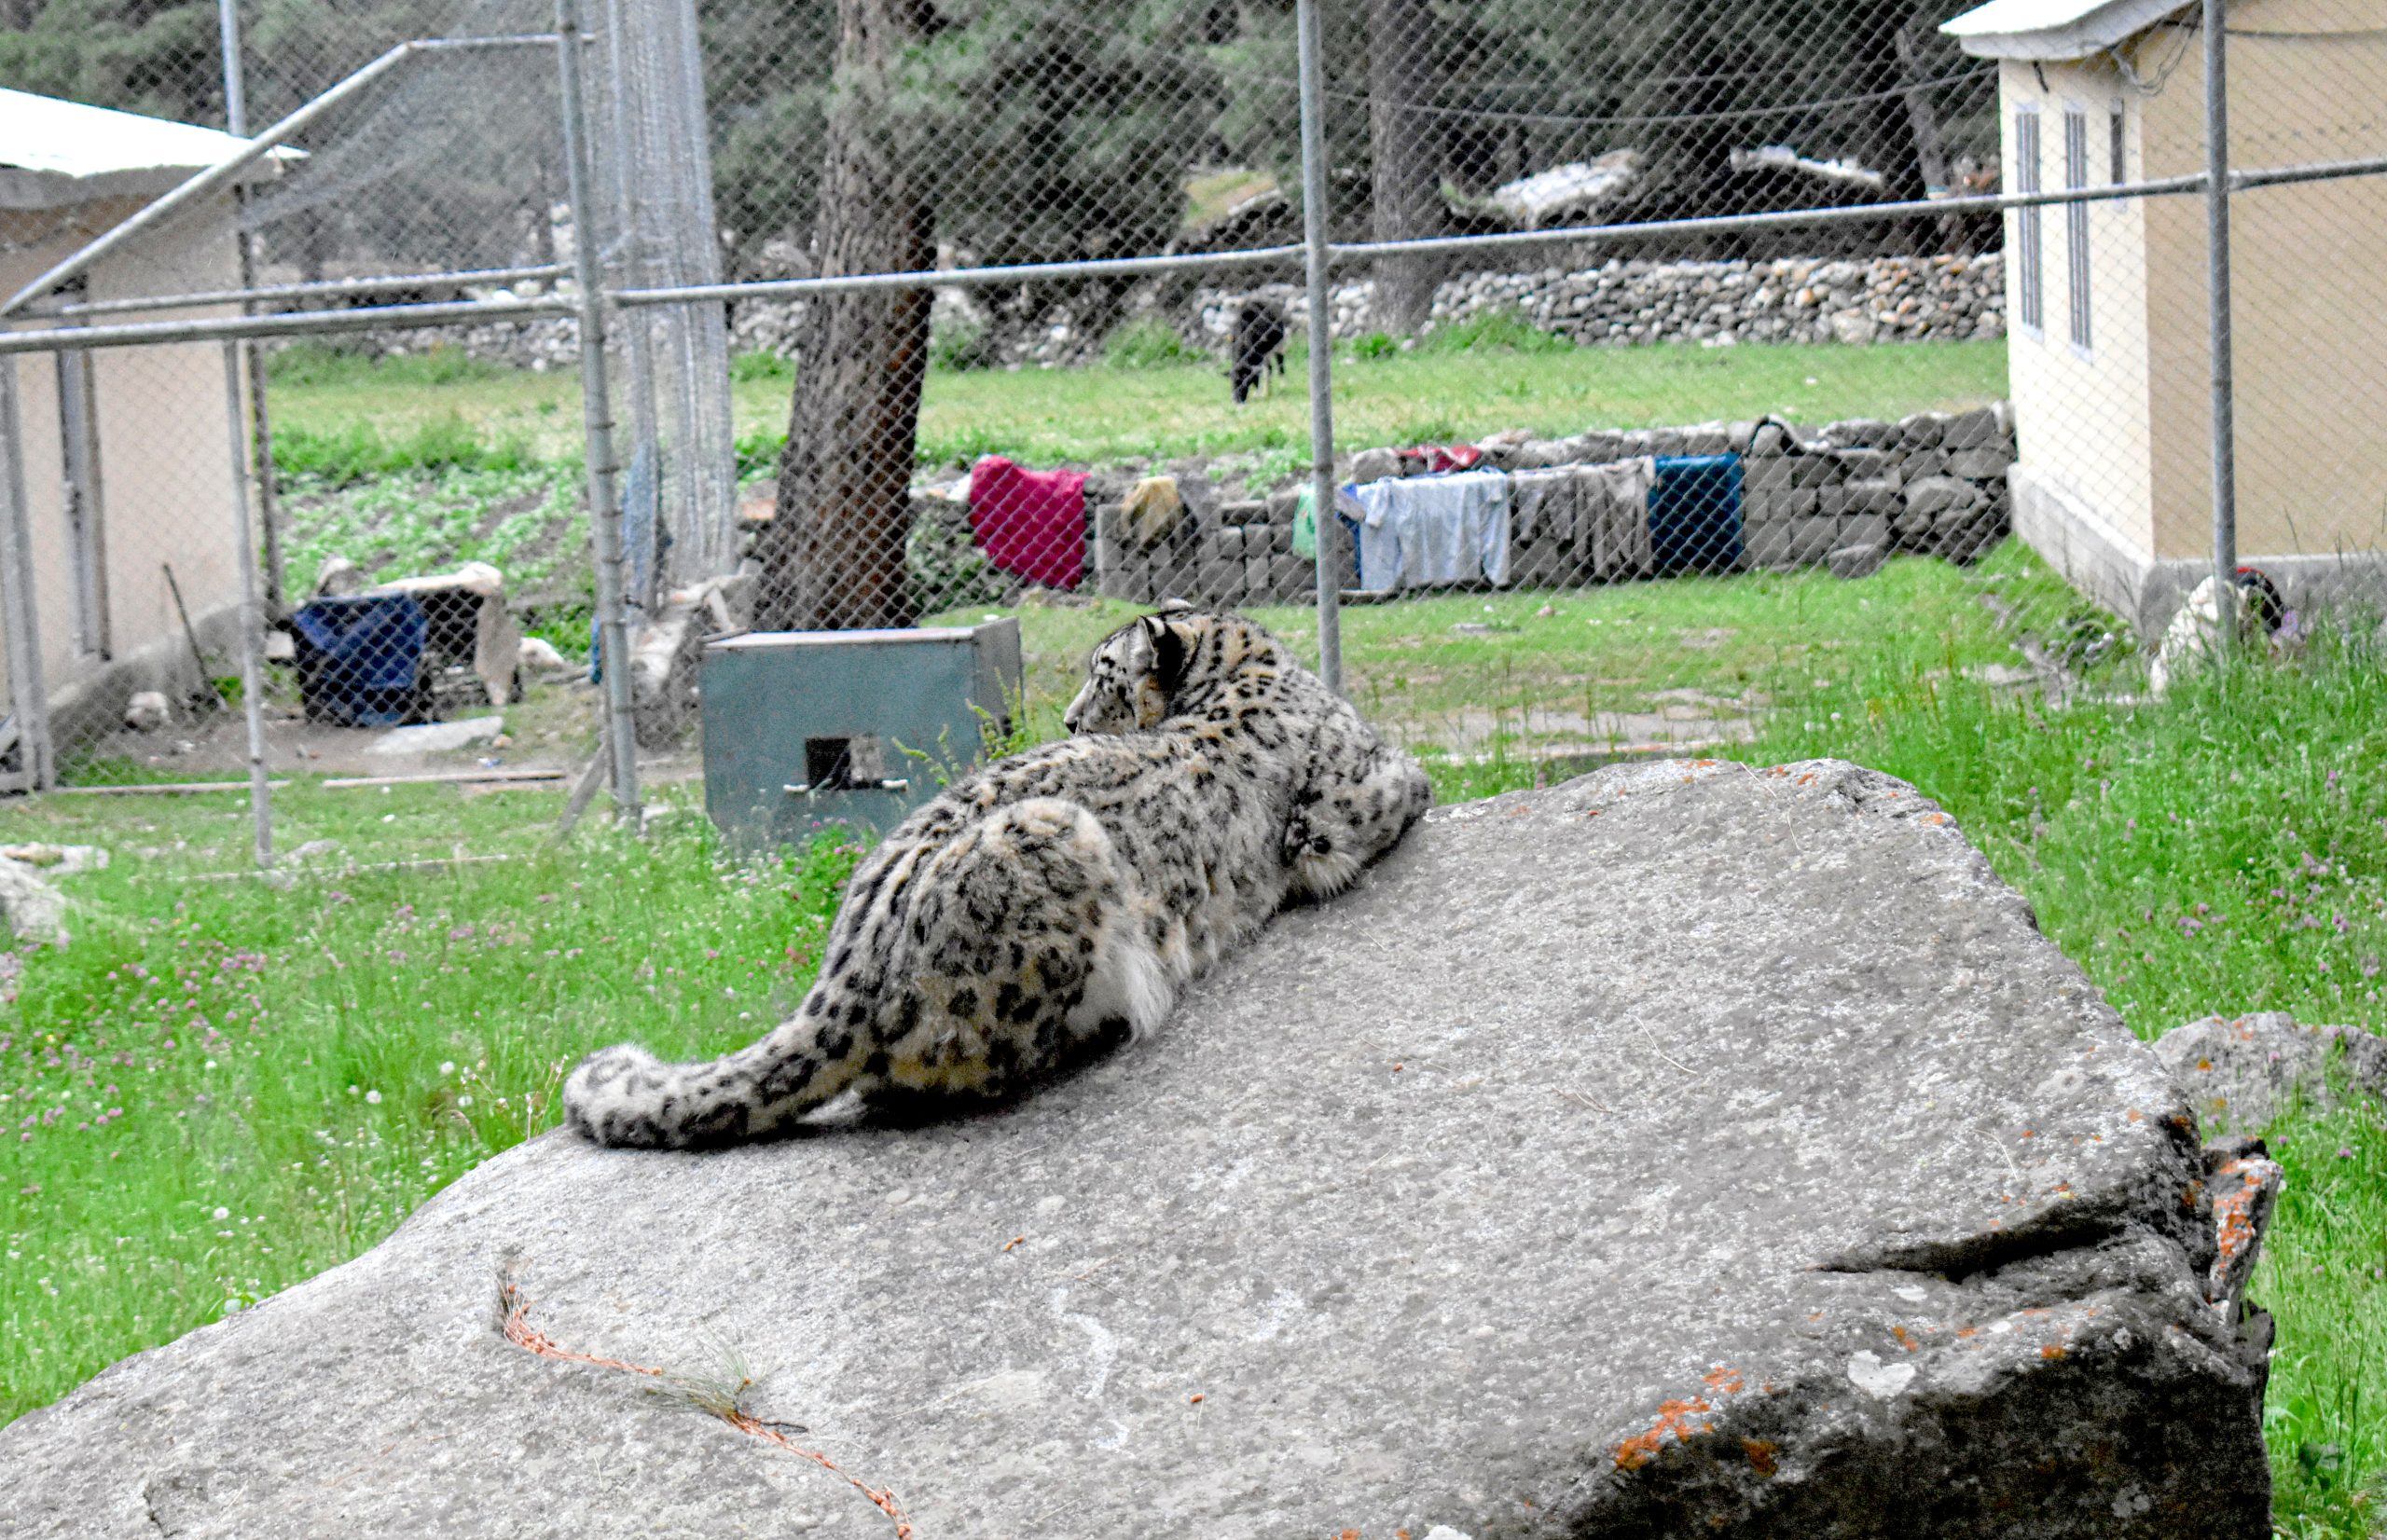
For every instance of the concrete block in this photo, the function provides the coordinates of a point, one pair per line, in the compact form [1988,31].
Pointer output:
[1869,462]
[1813,470]
[1873,495]
[1291,580]
[1243,513]
[1980,464]
[1921,464]
[1922,431]
[1256,578]
[1777,505]
[1860,433]
[1936,495]
[1792,544]
[1865,529]
[1282,505]
[1860,560]
[1973,430]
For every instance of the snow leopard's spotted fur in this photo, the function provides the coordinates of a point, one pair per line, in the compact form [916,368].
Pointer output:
[1057,897]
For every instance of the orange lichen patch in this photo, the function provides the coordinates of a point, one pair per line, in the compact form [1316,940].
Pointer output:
[1935,817]
[1764,1458]
[2136,1116]
[1193,1400]
[1703,764]
[1519,811]
[1774,770]
[518,1331]
[2054,1350]
[1724,1380]
[1906,1338]
[2233,1213]
[1968,1332]
[2192,1195]
[1807,779]
[1676,1419]
[1013,1242]
[2030,1133]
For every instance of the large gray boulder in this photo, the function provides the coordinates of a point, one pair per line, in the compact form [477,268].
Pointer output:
[1687,1149]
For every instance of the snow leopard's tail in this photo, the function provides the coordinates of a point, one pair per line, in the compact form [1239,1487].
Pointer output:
[954,966]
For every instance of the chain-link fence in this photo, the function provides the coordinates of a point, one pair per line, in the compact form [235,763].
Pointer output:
[1693,369]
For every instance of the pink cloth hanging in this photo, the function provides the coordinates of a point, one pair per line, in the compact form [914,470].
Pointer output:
[1031,524]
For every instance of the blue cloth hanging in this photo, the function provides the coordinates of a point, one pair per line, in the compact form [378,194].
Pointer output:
[1695,514]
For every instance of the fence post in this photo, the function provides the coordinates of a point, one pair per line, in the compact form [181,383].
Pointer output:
[252,613]
[597,419]
[236,123]
[28,694]
[1321,346]
[2224,402]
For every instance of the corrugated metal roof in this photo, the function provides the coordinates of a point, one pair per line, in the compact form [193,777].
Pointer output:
[54,153]
[2055,29]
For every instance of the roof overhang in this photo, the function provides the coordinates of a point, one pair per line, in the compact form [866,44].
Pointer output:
[55,154]
[24,189]
[2055,29]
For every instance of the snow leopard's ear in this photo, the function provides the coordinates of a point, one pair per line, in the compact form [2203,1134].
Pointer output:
[1169,650]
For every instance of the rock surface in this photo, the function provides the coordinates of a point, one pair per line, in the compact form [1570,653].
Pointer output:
[2240,1072]
[1688,1149]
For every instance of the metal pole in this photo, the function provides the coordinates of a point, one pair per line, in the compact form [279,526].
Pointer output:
[2225,401]
[30,694]
[251,620]
[597,417]
[1322,349]
[236,123]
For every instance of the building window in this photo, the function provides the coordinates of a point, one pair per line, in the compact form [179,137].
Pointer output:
[2030,292]
[2122,159]
[2075,222]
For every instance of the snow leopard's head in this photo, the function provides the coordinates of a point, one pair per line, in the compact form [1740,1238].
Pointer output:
[1143,672]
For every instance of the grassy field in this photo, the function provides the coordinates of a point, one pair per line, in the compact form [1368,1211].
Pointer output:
[331,411]
[1465,676]
[222,1088]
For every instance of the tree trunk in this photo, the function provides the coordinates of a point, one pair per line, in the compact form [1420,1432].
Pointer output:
[1404,137]
[832,554]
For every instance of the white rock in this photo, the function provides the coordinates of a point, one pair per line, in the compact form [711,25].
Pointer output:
[148,712]
[434,737]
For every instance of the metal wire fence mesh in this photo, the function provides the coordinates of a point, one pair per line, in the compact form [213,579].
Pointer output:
[1682,479]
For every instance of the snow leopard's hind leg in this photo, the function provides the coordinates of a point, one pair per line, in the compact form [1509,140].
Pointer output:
[1029,944]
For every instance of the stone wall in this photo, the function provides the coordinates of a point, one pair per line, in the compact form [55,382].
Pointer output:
[1793,299]
[1848,494]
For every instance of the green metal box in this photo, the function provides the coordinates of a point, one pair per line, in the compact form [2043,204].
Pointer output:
[804,728]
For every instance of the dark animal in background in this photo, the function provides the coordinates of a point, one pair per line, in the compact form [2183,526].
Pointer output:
[1259,344]
[2263,600]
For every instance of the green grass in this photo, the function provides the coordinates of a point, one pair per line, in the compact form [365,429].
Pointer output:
[1472,380]
[221,1088]
[1462,675]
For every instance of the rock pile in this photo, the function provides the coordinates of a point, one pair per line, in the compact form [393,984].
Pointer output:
[1795,299]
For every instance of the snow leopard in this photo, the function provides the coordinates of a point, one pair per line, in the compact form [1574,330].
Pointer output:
[1055,903]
